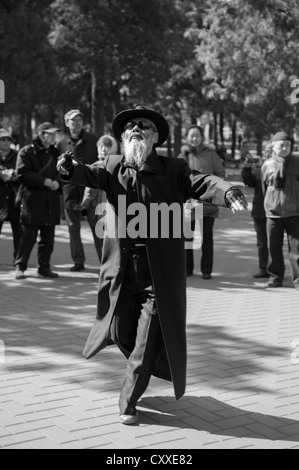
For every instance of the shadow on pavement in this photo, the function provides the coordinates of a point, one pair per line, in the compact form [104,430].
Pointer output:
[229,362]
[218,418]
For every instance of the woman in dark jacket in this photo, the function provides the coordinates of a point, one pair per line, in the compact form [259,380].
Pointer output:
[39,199]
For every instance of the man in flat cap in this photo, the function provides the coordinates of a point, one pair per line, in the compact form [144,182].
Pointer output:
[280,176]
[142,284]
[39,196]
[84,147]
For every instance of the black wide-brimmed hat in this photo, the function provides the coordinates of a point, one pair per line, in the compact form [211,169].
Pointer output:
[122,118]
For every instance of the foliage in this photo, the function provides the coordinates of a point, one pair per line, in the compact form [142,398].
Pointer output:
[181,57]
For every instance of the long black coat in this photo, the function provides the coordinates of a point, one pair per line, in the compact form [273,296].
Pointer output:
[40,206]
[161,180]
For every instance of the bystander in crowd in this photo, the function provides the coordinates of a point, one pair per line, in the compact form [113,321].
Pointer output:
[202,159]
[280,178]
[106,146]
[9,210]
[83,145]
[39,199]
[251,175]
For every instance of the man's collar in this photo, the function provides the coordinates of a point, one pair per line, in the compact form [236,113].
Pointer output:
[80,136]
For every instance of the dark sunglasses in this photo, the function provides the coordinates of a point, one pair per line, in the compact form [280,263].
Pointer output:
[143,125]
[5,139]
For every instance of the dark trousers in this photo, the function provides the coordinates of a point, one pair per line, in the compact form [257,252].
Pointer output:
[260,225]
[16,227]
[73,218]
[44,249]
[98,241]
[136,328]
[207,248]
[276,227]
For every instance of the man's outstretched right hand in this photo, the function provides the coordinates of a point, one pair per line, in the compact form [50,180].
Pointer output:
[65,163]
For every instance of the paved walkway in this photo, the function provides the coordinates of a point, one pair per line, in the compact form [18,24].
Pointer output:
[243,361]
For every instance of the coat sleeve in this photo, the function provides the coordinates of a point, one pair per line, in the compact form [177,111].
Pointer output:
[205,188]
[88,176]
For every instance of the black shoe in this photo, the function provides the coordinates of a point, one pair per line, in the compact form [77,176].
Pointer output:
[206,276]
[189,273]
[47,273]
[77,268]
[274,283]
[261,274]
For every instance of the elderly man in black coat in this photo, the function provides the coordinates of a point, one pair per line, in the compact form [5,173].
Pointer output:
[142,283]
[39,198]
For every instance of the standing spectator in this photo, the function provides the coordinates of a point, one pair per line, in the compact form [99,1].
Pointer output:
[201,158]
[142,284]
[8,189]
[106,146]
[280,177]
[251,174]
[84,147]
[40,200]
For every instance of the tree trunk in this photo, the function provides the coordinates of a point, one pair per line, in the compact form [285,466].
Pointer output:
[234,127]
[259,146]
[28,127]
[178,136]
[215,130]
[169,149]
[97,105]
[221,127]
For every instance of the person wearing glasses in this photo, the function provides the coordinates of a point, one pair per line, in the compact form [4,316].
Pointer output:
[280,183]
[9,211]
[142,283]
[106,146]
[83,145]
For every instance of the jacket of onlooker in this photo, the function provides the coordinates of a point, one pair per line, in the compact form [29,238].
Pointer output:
[8,189]
[40,205]
[204,160]
[84,150]
[282,202]
[252,177]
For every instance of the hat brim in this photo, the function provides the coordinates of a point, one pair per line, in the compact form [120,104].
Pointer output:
[123,117]
[51,130]
[72,116]
[7,137]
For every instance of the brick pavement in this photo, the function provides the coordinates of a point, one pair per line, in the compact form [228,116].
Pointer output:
[243,371]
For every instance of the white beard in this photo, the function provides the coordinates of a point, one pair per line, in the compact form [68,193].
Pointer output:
[135,152]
